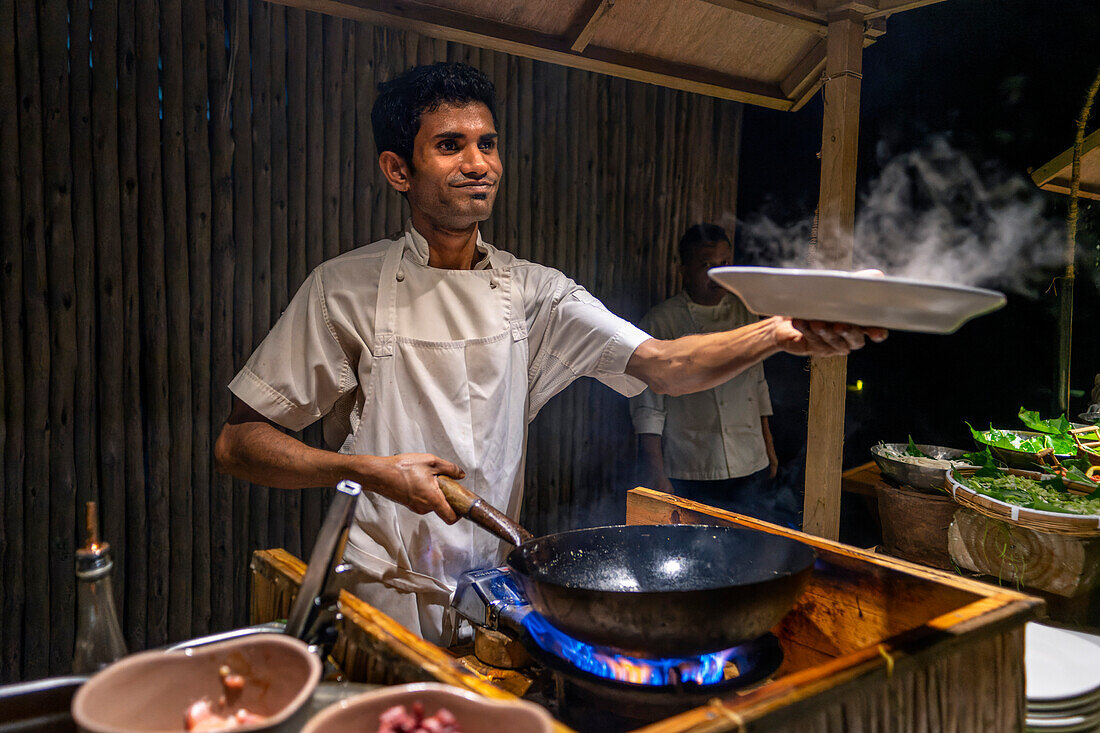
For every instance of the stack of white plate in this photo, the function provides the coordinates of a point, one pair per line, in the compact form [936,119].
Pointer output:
[1063,679]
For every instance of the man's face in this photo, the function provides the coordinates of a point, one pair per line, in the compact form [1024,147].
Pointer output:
[455,167]
[700,259]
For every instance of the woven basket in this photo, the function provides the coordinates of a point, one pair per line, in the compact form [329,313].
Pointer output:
[1074,525]
[1087,439]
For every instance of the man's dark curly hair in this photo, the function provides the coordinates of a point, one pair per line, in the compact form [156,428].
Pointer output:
[401,101]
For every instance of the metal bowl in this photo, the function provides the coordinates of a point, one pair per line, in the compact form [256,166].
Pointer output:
[926,478]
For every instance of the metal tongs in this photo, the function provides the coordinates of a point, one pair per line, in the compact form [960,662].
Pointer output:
[316,611]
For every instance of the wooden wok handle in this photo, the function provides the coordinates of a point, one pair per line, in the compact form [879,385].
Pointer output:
[469,505]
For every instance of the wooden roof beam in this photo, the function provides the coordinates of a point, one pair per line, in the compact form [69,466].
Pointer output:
[584,27]
[781,15]
[870,8]
[804,78]
[460,28]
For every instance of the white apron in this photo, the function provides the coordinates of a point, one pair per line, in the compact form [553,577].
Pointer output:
[463,400]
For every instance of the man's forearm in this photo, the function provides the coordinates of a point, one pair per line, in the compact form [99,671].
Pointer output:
[701,361]
[652,456]
[262,453]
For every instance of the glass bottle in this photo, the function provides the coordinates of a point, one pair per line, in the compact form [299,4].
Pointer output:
[98,635]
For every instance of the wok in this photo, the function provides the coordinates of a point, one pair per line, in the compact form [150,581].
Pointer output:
[653,590]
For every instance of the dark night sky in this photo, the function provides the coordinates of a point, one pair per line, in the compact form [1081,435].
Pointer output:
[1004,81]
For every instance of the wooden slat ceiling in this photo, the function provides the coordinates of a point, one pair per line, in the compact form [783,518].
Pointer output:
[1055,175]
[765,52]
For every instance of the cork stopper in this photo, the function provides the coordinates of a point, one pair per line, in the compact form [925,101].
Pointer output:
[93,559]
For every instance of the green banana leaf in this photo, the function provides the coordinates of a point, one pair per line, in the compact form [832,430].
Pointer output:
[1052,426]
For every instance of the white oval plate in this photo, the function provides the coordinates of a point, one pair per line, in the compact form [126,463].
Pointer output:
[1061,664]
[862,299]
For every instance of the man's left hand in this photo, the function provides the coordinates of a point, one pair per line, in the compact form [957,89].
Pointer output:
[819,338]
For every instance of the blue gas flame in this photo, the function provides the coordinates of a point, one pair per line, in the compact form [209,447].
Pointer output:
[704,669]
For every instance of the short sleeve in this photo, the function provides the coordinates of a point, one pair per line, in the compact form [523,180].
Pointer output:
[300,369]
[583,338]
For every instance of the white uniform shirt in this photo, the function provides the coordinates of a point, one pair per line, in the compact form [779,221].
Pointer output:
[312,362]
[710,435]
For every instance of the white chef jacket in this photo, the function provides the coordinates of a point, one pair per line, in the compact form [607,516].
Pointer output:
[320,354]
[714,434]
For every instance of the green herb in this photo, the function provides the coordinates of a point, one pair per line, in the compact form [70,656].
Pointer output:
[914,451]
[1012,440]
[1051,426]
[984,460]
[1047,495]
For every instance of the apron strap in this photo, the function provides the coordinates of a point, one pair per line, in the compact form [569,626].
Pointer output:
[385,314]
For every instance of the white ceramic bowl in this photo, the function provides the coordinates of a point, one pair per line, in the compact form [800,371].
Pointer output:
[150,691]
[475,714]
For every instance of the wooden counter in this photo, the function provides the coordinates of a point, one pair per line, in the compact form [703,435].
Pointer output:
[875,643]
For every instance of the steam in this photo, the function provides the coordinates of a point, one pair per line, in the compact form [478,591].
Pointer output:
[932,215]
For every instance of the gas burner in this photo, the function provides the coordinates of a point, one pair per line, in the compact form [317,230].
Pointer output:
[492,599]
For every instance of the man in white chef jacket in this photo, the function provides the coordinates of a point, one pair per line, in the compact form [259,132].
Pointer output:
[715,445]
[429,353]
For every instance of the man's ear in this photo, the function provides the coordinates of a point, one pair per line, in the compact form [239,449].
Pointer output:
[395,169]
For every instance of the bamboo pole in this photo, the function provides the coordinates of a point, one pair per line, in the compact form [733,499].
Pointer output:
[260,54]
[177,288]
[839,146]
[58,181]
[136,607]
[110,344]
[315,141]
[297,61]
[312,508]
[154,321]
[196,143]
[11,300]
[365,157]
[277,500]
[243,300]
[297,104]
[36,635]
[86,435]
[1065,310]
[347,139]
[333,98]
[221,307]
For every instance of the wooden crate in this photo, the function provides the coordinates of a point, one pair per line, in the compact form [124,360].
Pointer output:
[875,644]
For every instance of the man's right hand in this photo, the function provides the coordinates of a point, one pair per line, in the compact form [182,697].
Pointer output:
[410,480]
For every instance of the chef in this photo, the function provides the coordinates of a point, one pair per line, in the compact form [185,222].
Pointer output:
[428,354]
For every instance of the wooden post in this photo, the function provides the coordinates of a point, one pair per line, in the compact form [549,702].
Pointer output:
[839,145]
[196,141]
[58,223]
[11,301]
[177,290]
[36,529]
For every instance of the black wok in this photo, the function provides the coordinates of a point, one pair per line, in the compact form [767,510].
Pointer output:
[656,590]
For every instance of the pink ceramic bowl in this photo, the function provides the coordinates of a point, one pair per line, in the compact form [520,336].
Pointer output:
[152,690]
[475,714]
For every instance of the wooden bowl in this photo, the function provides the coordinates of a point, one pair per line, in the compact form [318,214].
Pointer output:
[152,690]
[1017,458]
[475,714]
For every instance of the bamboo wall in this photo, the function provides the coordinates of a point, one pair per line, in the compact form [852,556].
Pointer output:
[169,173]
